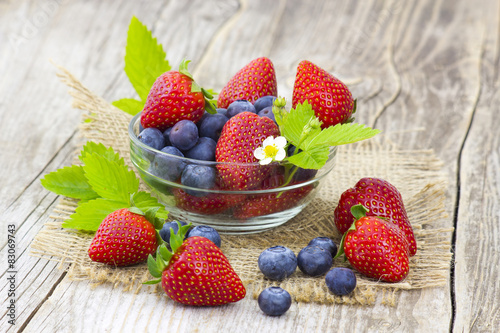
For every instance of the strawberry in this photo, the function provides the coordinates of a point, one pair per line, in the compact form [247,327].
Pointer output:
[330,98]
[240,136]
[376,248]
[382,199]
[257,79]
[213,203]
[123,238]
[196,272]
[175,96]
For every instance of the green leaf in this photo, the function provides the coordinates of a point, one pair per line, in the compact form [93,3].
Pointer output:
[293,124]
[342,134]
[144,201]
[312,158]
[129,105]
[153,267]
[153,281]
[89,215]
[110,179]
[145,59]
[92,147]
[70,182]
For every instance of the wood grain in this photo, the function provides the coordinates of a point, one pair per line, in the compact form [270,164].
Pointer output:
[426,73]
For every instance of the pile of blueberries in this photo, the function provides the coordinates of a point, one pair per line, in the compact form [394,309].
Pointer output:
[316,259]
[196,141]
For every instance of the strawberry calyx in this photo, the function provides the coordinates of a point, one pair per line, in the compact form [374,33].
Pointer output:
[195,87]
[358,211]
[163,255]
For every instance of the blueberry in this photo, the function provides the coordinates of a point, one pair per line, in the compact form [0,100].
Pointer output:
[165,230]
[207,232]
[203,150]
[274,301]
[166,135]
[199,176]
[168,167]
[239,106]
[212,125]
[184,134]
[314,261]
[267,112]
[152,137]
[340,281]
[325,243]
[277,262]
[222,111]
[264,102]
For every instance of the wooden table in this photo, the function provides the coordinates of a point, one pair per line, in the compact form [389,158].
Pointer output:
[427,73]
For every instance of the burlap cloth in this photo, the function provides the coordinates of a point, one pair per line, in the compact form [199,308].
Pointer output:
[416,173]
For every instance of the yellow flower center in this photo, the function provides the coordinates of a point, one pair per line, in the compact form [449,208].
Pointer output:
[270,151]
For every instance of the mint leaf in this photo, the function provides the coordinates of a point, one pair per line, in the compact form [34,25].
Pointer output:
[70,182]
[144,58]
[110,179]
[144,201]
[89,215]
[92,147]
[129,105]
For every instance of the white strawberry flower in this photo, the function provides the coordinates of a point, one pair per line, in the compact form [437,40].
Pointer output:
[272,149]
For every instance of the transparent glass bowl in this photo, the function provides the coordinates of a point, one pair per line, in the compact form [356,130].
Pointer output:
[264,206]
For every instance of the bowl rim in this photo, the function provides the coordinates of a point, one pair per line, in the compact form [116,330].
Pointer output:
[135,140]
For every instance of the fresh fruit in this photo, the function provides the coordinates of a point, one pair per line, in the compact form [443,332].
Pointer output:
[174,96]
[166,135]
[196,272]
[267,112]
[330,98]
[325,243]
[168,167]
[277,262]
[203,150]
[340,281]
[211,126]
[184,134]
[381,199]
[152,137]
[207,232]
[375,247]
[165,230]
[255,80]
[239,106]
[123,238]
[314,260]
[213,203]
[264,102]
[241,135]
[198,176]
[274,301]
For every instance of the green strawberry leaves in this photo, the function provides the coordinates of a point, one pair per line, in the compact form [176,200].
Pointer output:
[103,184]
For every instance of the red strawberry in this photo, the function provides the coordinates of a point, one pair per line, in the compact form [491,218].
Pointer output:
[239,137]
[196,272]
[123,238]
[382,199]
[213,203]
[174,96]
[376,248]
[330,98]
[255,80]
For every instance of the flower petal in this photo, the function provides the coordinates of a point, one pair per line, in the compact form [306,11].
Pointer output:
[280,155]
[265,161]
[259,153]
[269,141]
[280,142]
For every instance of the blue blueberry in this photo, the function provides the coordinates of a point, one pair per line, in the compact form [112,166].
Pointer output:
[166,135]
[168,167]
[212,125]
[203,150]
[325,243]
[264,102]
[314,261]
[239,106]
[277,262]
[165,230]
[274,301]
[222,111]
[207,232]
[152,137]
[267,112]
[184,134]
[199,176]
[340,281]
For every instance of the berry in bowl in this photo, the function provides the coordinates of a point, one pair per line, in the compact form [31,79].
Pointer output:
[249,165]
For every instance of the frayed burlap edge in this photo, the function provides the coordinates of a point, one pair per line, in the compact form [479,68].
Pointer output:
[416,173]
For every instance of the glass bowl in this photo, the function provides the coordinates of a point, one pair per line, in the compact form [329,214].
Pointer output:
[266,205]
